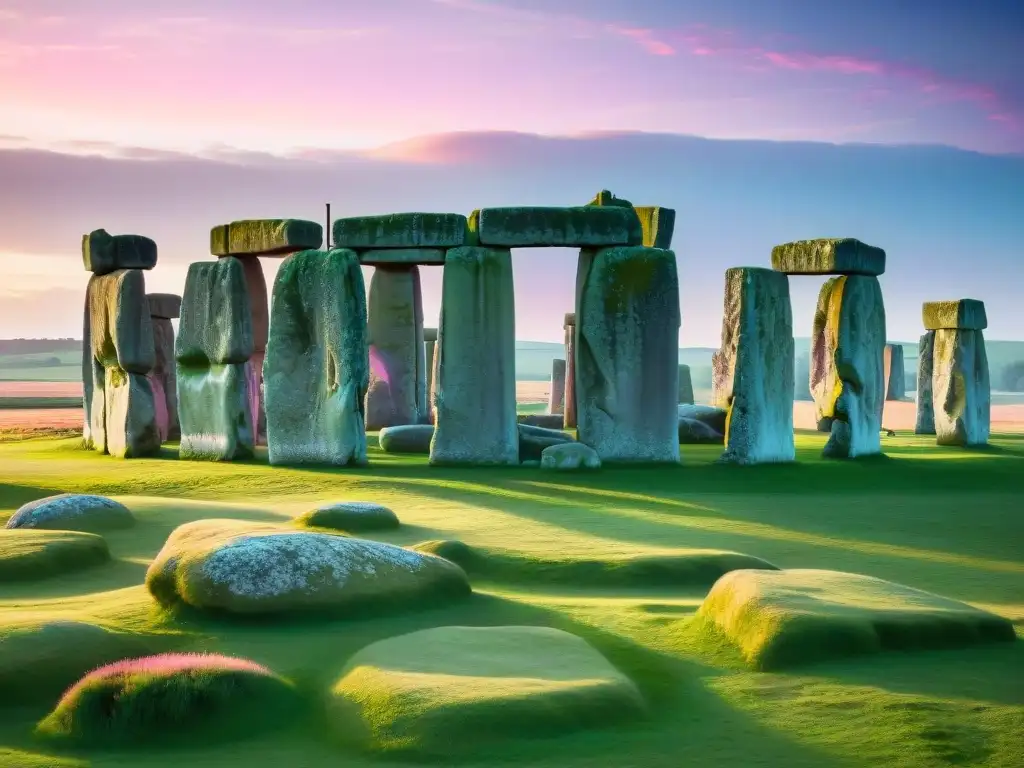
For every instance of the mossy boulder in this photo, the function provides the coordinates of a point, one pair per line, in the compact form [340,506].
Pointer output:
[710,415]
[780,619]
[250,568]
[585,226]
[103,253]
[350,516]
[534,440]
[828,256]
[176,698]
[269,237]
[456,689]
[27,554]
[961,314]
[569,456]
[694,432]
[73,512]
[406,438]
[401,230]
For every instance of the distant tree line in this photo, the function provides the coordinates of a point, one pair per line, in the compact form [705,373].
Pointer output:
[31,346]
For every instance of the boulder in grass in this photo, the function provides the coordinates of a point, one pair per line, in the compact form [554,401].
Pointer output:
[780,619]
[450,689]
[164,305]
[710,415]
[250,568]
[350,516]
[103,253]
[268,237]
[534,440]
[175,697]
[73,512]
[694,432]
[569,456]
[828,256]
[26,554]
[406,438]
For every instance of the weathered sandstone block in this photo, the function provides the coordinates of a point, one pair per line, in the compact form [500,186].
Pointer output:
[397,388]
[121,327]
[685,386]
[556,397]
[828,256]
[164,305]
[317,368]
[658,225]
[269,237]
[925,405]
[401,230]
[577,227]
[895,385]
[569,399]
[164,379]
[847,377]
[475,397]
[391,256]
[430,347]
[720,387]
[961,388]
[627,353]
[962,314]
[216,319]
[103,253]
[757,357]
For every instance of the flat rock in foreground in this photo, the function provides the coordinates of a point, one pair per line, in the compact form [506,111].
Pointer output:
[585,226]
[961,314]
[458,688]
[828,256]
[785,618]
[268,237]
[401,230]
[73,512]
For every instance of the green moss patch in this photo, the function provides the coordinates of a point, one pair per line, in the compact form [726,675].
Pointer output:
[961,314]
[350,516]
[28,554]
[452,689]
[586,226]
[270,237]
[170,698]
[785,618]
[828,256]
[103,253]
[401,230]
[687,567]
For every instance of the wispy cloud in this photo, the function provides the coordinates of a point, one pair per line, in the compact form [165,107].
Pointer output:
[645,38]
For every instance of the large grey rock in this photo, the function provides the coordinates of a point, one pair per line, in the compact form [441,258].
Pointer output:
[397,390]
[475,397]
[757,353]
[259,307]
[401,230]
[121,327]
[269,237]
[164,305]
[925,424]
[430,348]
[693,432]
[895,385]
[103,253]
[627,353]
[556,397]
[73,512]
[585,226]
[710,415]
[546,420]
[569,456]
[409,256]
[828,256]
[406,438]
[719,380]
[569,399]
[636,230]
[847,377]
[164,380]
[960,381]
[212,350]
[962,314]
[316,368]
[685,385]
[533,440]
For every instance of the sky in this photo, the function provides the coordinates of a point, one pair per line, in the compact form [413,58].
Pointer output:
[171,116]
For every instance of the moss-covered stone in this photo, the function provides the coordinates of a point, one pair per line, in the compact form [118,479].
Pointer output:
[121,328]
[164,305]
[28,554]
[401,230]
[214,411]
[636,230]
[267,237]
[587,226]
[961,388]
[925,423]
[216,318]
[533,440]
[406,438]
[350,516]
[962,314]
[316,369]
[895,386]
[103,253]
[394,256]
[658,225]
[828,256]
[73,512]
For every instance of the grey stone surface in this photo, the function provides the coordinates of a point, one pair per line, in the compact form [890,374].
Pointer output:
[397,390]
[533,440]
[757,355]
[73,512]
[350,516]
[475,396]
[685,386]
[963,314]
[87,371]
[569,398]
[925,424]
[961,387]
[406,438]
[546,420]
[569,456]
[828,256]
[847,376]
[269,237]
[259,307]
[316,370]
[585,226]
[409,256]
[164,380]
[214,412]
[710,415]
[430,348]
[401,230]
[720,386]
[216,317]
[694,432]
[121,327]
[164,305]
[627,353]
[130,427]
[556,397]
[895,385]
[103,253]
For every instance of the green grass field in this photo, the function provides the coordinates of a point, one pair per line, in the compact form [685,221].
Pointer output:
[944,520]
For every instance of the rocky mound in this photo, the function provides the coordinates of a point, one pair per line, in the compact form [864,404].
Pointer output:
[251,568]
[451,689]
[27,554]
[73,512]
[171,697]
[785,618]
[534,440]
[406,438]
[569,456]
[350,516]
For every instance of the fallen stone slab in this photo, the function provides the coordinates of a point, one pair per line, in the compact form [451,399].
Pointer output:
[828,256]
[962,390]
[585,226]
[216,317]
[240,567]
[103,253]
[925,422]
[569,456]
[316,370]
[389,256]
[456,689]
[781,619]
[31,554]
[962,314]
[265,237]
[350,516]
[401,230]
[164,305]
[73,512]
[406,438]
[534,440]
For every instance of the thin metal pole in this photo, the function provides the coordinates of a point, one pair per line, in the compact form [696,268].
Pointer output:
[327,236]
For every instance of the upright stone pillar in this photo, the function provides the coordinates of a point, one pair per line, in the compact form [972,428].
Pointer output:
[925,424]
[627,353]
[556,396]
[758,359]
[569,396]
[430,346]
[256,286]
[960,376]
[685,385]
[397,393]
[895,383]
[164,307]
[118,352]
[475,400]
[317,367]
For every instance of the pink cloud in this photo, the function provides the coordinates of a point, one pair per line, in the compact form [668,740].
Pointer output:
[645,39]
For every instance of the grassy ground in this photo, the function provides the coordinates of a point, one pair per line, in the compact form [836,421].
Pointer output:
[943,520]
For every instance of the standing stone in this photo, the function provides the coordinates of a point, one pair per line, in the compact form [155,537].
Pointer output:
[317,369]
[475,400]
[213,348]
[925,408]
[87,377]
[757,355]
[685,385]
[122,411]
[164,307]
[569,397]
[397,392]
[802,384]
[847,377]
[720,373]
[430,346]
[627,353]
[960,376]
[895,384]
[556,397]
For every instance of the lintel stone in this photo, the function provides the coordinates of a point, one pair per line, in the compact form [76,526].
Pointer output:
[961,314]
[164,305]
[268,237]
[584,226]
[430,334]
[658,225]
[828,256]
[103,253]
[401,230]
[386,256]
